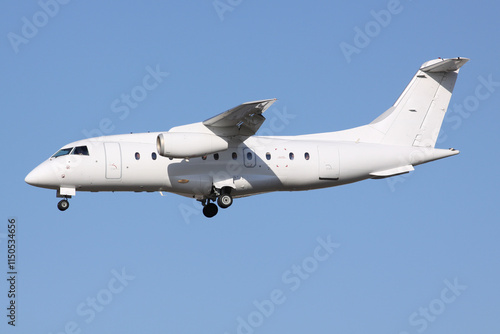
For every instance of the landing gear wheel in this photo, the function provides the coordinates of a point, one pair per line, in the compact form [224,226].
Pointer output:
[225,201]
[210,210]
[63,205]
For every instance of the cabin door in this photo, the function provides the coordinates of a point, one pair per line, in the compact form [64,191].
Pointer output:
[113,160]
[329,163]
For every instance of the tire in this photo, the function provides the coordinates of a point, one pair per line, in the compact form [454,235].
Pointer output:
[210,210]
[224,201]
[63,205]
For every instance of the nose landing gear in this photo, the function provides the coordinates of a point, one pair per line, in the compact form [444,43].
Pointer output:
[63,205]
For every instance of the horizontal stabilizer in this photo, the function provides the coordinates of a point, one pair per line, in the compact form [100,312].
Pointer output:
[443,65]
[392,172]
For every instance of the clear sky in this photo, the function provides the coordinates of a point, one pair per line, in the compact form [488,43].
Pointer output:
[412,254]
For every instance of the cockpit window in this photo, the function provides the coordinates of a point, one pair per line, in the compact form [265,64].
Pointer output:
[62,151]
[81,150]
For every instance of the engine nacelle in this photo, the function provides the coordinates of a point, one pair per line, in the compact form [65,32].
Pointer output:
[189,144]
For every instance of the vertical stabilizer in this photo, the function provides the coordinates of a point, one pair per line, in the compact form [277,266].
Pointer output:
[416,117]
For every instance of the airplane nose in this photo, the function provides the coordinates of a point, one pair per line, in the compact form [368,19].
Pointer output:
[30,178]
[41,176]
[35,177]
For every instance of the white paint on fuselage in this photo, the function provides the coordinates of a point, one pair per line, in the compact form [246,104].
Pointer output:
[250,175]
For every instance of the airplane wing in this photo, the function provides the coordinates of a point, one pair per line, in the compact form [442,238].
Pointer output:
[243,120]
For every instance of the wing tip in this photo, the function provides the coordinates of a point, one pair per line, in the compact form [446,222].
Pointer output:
[261,101]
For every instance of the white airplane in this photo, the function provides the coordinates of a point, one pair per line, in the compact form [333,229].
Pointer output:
[221,158]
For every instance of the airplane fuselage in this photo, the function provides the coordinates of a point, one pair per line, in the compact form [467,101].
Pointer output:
[257,165]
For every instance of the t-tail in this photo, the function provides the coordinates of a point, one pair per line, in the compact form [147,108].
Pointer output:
[416,117]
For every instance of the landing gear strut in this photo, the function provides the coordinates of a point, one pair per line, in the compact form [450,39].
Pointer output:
[224,200]
[63,204]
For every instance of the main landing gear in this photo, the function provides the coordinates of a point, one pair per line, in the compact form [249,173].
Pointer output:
[224,200]
[63,205]
[210,210]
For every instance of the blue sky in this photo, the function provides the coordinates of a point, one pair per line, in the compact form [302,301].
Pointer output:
[411,254]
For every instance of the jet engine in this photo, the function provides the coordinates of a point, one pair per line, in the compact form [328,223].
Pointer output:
[189,144]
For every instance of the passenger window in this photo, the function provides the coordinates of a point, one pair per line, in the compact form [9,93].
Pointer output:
[306,156]
[235,156]
[291,156]
[81,150]
[216,156]
[268,156]
[137,156]
[62,151]
[153,156]
[249,156]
